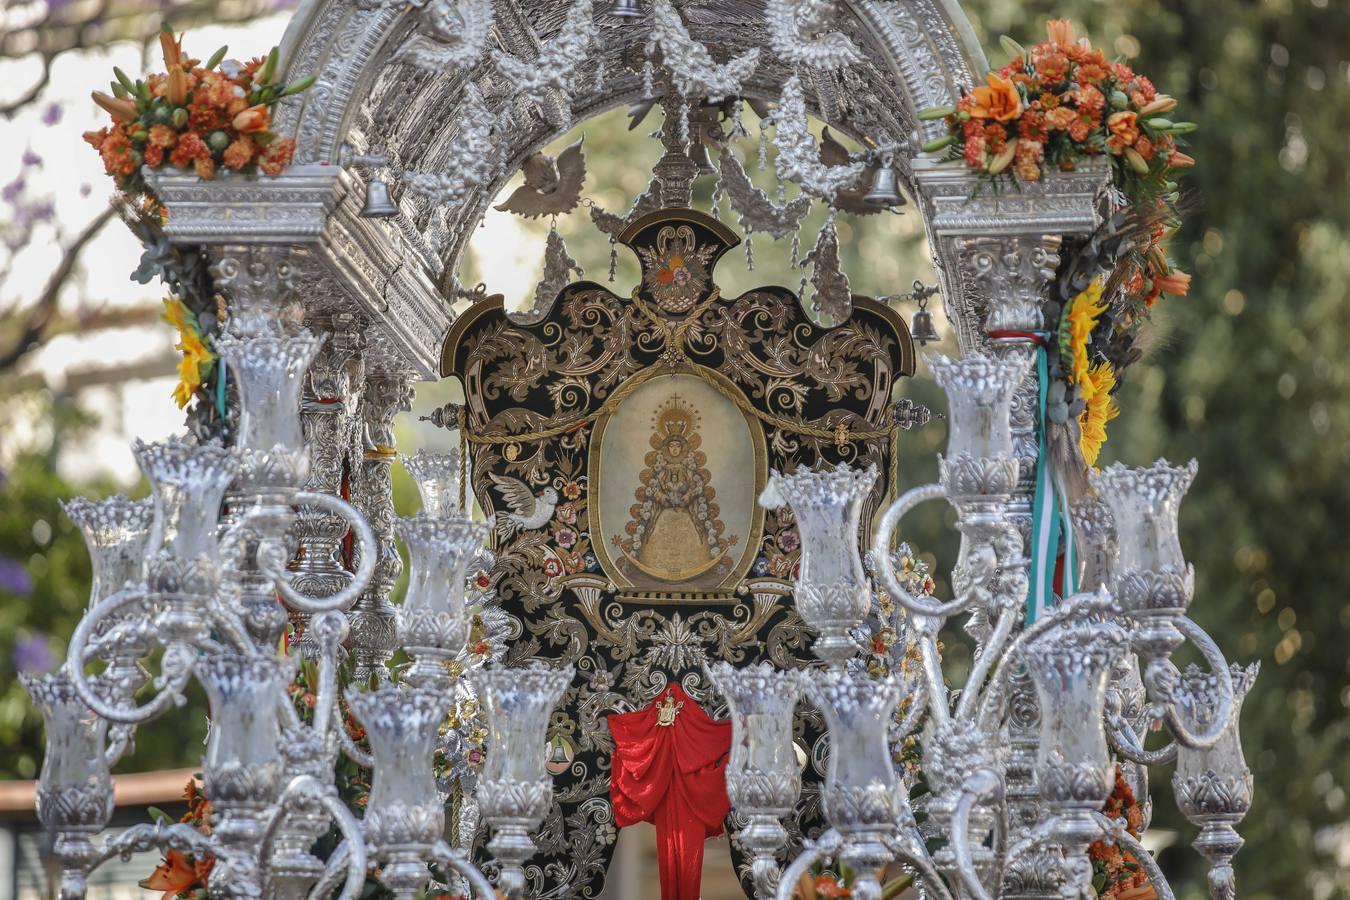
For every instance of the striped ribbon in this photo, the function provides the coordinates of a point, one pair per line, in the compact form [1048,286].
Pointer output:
[1049,515]
[220,386]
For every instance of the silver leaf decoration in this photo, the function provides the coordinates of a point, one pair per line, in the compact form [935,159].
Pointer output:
[558,269]
[452,34]
[552,74]
[794,34]
[472,162]
[754,208]
[693,70]
[831,299]
[798,158]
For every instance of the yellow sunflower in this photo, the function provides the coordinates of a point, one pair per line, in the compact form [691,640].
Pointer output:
[197,359]
[1084,311]
[1101,408]
[177,314]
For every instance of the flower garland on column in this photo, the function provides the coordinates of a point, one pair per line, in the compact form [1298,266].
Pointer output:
[199,117]
[1057,106]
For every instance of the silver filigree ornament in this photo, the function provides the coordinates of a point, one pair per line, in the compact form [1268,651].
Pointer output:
[798,158]
[831,297]
[693,71]
[547,81]
[753,207]
[799,35]
[472,163]
[451,34]
[558,268]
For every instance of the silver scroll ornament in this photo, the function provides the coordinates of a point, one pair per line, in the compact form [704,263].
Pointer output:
[451,34]
[552,185]
[795,34]
[693,71]
[548,79]
[754,208]
[798,158]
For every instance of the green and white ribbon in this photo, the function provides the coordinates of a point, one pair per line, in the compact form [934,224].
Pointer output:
[1050,518]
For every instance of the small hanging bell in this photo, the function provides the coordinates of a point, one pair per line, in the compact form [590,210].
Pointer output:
[626,9]
[378,205]
[883,191]
[698,152]
[921,327]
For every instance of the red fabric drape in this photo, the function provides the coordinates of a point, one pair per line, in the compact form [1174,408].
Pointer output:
[672,776]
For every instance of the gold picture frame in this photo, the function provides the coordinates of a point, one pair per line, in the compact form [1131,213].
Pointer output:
[678,404]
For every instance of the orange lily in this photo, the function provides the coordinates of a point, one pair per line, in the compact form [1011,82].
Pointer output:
[175,875]
[121,110]
[1179,160]
[1176,283]
[1143,892]
[176,89]
[1162,103]
[1002,161]
[997,99]
[255,118]
[1061,33]
[172,49]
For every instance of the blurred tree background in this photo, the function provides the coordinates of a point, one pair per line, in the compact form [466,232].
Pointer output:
[1245,374]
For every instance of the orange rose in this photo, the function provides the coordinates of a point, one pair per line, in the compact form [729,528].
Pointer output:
[239,153]
[1081,127]
[255,118]
[999,100]
[1090,98]
[163,136]
[277,156]
[1061,117]
[1124,124]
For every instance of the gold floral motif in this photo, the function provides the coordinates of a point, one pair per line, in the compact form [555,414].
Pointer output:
[676,271]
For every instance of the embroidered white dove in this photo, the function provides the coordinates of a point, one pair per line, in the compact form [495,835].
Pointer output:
[527,510]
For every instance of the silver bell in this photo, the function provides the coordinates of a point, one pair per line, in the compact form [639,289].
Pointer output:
[626,9]
[883,192]
[698,152]
[921,328]
[378,205]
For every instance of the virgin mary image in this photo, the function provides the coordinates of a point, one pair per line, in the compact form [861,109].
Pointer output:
[674,532]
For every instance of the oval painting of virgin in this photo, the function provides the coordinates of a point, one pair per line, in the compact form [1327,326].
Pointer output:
[677,468]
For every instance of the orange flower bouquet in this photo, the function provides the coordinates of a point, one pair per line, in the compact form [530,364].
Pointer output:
[1116,873]
[194,116]
[1058,104]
